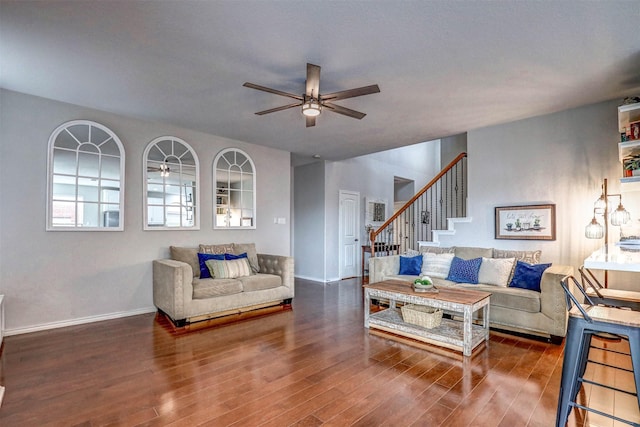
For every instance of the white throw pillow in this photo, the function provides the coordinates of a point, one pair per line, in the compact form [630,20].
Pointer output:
[495,271]
[436,265]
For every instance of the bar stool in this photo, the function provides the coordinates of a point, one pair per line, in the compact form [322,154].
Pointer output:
[584,322]
[612,297]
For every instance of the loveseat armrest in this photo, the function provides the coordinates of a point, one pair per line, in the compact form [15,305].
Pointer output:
[380,267]
[172,287]
[552,298]
[280,266]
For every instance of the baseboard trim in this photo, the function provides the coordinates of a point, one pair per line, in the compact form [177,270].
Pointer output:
[78,321]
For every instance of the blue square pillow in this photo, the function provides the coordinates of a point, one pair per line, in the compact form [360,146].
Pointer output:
[464,270]
[228,256]
[202,259]
[410,265]
[528,276]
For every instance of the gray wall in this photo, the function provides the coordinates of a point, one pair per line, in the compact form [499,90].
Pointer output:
[559,158]
[450,147]
[309,223]
[56,278]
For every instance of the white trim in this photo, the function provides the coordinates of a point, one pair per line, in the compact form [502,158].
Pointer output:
[450,231]
[78,321]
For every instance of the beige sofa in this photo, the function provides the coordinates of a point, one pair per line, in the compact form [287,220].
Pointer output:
[539,313]
[181,294]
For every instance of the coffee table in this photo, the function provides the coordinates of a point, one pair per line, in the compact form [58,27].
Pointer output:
[462,336]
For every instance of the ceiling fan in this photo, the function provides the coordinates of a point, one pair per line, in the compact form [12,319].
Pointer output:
[312,102]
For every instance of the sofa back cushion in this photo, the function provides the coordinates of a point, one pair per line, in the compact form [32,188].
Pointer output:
[464,270]
[216,249]
[252,254]
[188,255]
[466,252]
[437,250]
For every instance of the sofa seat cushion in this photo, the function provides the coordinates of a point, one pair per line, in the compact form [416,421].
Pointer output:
[512,298]
[260,282]
[208,288]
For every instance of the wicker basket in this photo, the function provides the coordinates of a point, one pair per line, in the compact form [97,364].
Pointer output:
[427,317]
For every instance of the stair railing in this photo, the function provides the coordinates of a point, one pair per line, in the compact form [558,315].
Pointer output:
[445,196]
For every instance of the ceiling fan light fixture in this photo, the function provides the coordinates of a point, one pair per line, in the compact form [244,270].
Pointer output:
[311,108]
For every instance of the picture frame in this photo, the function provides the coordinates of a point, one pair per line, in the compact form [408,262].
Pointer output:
[528,222]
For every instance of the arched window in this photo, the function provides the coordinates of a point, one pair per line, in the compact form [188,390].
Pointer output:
[171,185]
[86,178]
[234,186]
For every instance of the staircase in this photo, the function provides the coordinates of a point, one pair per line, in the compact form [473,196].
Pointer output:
[434,208]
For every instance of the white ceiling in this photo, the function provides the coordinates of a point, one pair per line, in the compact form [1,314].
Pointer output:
[443,67]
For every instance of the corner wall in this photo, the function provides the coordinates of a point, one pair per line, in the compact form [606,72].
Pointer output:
[52,279]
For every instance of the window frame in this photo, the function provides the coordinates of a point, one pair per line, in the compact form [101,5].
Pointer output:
[215,192]
[77,176]
[196,202]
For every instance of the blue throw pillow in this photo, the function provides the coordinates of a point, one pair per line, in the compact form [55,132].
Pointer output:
[233,256]
[528,276]
[202,259]
[410,265]
[464,270]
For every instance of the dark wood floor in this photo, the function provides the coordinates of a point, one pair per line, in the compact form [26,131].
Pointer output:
[314,365]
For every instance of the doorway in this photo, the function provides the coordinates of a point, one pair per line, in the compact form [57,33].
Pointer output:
[348,229]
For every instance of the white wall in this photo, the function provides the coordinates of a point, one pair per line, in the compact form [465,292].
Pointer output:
[559,158]
[54,278]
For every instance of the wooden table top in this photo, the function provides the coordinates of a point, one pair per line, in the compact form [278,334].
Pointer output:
[460,296]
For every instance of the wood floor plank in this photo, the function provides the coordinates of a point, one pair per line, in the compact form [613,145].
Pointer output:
[312,366]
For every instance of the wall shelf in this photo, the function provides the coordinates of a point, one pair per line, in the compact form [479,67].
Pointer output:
[627,114]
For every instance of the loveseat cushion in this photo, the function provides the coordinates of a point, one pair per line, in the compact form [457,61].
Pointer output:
[221,248]
[188,255]
[260,282]
[530,257]
[207,288]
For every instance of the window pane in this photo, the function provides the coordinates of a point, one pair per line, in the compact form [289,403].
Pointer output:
[187,159]
[110,167]
[65,140]
[165,146]
[64,187]
[247,182]
[110,215]
[89,148]
[88,189]
[63,213]
[88,214]
[88,164]
[79,132]
[64,162]
[155,215]
[98,137]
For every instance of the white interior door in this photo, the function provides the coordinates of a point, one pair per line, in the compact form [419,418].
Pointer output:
[349,227]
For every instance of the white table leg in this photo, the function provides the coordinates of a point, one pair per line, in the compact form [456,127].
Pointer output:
[466,333]
[485,323]
[367,307]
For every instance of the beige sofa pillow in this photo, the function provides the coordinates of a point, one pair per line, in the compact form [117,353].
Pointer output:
[188,255]
[530,257]
[495,271]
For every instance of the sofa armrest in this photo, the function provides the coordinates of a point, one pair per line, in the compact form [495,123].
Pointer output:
[280,266]
[172,287]
[552,298]
[382,266]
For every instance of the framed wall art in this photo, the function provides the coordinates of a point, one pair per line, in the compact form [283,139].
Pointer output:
[532,222]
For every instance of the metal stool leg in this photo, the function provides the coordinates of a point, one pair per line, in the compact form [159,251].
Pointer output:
[573,366]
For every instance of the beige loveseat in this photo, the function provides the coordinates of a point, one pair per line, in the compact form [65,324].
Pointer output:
[181,294]
[539,313]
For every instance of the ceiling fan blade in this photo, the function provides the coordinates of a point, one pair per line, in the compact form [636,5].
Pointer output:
[273,110]
[351,93]
[344,111]
[311,121]
[274,91]
[313,80]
